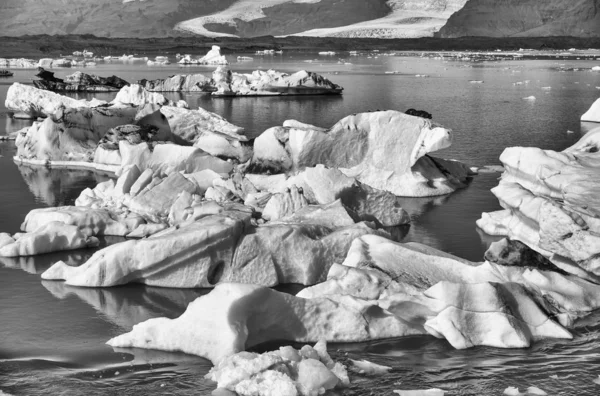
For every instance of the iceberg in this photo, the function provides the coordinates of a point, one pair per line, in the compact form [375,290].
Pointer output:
[593,113]
[551,205]
[210,327]
[285,372]
[271,82]
[26,101]
[386,150]
[178,83]
[51,237]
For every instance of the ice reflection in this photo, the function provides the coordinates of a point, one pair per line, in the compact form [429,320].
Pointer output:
[128,305]
[14,125]
[588,126]
[40,263]
[59,186]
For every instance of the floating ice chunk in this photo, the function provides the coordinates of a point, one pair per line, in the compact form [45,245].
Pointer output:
[476,81]
[361,154]
[210,327]
[597,380]
[51,237]
[5,239]
[593,113]
[366,367]
[546,88]
[511,391]
[533,390]
[285,372]
[426,392]
[529,98]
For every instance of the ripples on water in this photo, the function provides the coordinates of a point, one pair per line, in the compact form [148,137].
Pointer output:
[52,336]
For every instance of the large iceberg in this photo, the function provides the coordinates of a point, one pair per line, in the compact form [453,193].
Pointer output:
[271,82]
[80,133]
[383,289]
[551,203]
[79,82]
[387,150]
[234,317]
[178,83]
[26,101]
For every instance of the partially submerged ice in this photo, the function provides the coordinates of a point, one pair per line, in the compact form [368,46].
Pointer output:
[271,82]
[72,130]
[550,202]
[26,101]
[285,372]
[387,150]
[383,289]
[210,325]
[224,82]
[212,57]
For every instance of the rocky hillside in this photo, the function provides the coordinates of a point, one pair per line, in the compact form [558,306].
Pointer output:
[525,18]
[218,18]
[105,18]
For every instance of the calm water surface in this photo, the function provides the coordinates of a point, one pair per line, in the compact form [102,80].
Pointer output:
[52,336]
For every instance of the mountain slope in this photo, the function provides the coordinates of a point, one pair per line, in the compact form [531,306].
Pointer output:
[105,18]
[214,18]
[408,19]
[251,18]
[525,18]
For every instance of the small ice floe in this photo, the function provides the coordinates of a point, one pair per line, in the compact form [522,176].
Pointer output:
[529,98]
[421,75]
[426,392]
[556,377]
[569,131]
[476,81]
[244,58]
[597,381]
[596,68]
[489,169]
[533,390]
[328,53]
[546,88]
[370,368]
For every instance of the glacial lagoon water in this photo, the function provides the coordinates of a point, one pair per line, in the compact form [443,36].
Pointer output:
[52,336]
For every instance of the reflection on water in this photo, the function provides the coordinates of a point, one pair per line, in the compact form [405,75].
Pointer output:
[14,125]
[56,186]
[588,126]
[126,306]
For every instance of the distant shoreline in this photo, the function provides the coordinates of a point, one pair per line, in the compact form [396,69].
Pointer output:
[54,46]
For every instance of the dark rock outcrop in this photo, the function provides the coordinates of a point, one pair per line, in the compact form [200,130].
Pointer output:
[78,82]
[419,113]
[511,252]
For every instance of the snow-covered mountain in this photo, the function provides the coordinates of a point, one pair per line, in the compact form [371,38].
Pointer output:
[341,18]
[214,18]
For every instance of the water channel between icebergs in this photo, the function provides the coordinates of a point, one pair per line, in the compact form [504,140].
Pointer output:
[52,336]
